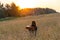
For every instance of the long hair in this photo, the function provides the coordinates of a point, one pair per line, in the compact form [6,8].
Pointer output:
[33,23]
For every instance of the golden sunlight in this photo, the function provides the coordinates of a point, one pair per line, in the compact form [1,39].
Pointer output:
[31,3]
[26,3]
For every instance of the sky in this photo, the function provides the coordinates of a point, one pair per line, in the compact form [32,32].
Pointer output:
[54,4]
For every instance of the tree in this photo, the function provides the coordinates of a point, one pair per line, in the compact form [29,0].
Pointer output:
[7,11]
[2,11]
[14,10]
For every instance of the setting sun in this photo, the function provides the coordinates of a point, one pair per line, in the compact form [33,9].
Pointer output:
[27,3]
[34,3]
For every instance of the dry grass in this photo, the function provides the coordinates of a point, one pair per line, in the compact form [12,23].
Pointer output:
[48,28]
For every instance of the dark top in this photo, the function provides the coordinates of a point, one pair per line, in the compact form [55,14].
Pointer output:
[33,24]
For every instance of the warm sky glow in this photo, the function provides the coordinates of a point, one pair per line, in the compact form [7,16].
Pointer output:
[54,4]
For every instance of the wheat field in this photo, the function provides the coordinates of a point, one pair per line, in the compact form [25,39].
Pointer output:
[48,28]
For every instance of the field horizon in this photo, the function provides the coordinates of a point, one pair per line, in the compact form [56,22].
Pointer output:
[48,28]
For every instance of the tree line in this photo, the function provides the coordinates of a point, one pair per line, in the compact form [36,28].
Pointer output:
[13,11]
[37,11]
[9,10]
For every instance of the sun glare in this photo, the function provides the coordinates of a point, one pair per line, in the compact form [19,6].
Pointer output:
[26,3]
[31,3]
[55,4]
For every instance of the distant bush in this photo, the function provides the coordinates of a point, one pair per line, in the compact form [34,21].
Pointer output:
[48,11]
[7,18]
